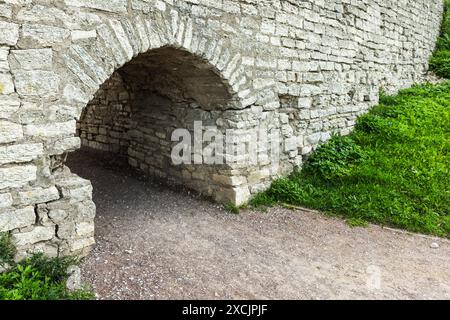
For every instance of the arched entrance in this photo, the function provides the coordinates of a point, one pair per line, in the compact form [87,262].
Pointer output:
[125,87]
[136,111]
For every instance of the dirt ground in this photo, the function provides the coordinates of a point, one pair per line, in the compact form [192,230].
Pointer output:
[155,242]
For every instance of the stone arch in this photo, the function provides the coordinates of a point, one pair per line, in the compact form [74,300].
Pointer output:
[120,39]
[136,111]
[88,62]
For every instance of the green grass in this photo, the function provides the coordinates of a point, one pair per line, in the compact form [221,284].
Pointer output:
[440,61]
[36,278]
[357,222]
[231,208]
[7,250]
[392,170]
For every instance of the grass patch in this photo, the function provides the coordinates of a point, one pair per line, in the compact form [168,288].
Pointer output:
[36,278]
[357,222]
[392,170]
[7,249]
[440,61]
[232,208]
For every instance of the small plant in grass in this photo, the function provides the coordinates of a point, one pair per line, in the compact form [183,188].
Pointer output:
[440,61]
[25,282]
[36,278]
[232,208]
[7,249]
[335,158]
[54,268]
[357,222]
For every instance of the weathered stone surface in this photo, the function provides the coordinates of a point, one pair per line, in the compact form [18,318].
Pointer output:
[82,243]
[10,105]
[73,94]
[13,219]
[17,176]
[6,200]
[239,195]
[57,215]
[74,188]
[85,229]
[74,280]
[30,112]
[9,33]
[64,145]
[37,195]
[48,249]
[50,130]
[38,234]
[31,59]
[86,210]
[5,11]
[43,35]
[10,131]
[19,153]
[6,84]
[18,2]
[118,6]
[4,65]
[37,83]
[229,180]
[83,35]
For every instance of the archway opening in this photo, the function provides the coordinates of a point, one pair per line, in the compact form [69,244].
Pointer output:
[133,115]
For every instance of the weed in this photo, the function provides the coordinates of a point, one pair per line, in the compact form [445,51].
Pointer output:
[232,208]
[440,61]
[36,278]
[7,249]
[357,222]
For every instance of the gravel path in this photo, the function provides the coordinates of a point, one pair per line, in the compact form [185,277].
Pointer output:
[154,242]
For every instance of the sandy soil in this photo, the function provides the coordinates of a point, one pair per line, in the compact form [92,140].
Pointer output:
[155,242]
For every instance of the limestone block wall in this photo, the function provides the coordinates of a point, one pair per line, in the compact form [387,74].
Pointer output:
[304,69]
[106,120]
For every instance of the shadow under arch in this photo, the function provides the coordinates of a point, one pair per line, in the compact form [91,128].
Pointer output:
[136,110]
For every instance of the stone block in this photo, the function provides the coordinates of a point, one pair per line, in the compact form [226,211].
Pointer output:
[12,219]
[10,132]
[9,33]
[6,84]
[31,59]
[37,83]
[17,176]
[37,234]
[20,153]
[37,195]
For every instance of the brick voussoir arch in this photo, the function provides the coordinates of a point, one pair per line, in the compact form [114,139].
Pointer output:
[87,65]
[122,39]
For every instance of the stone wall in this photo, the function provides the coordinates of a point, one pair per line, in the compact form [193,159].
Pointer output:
[135,112]
[106,120]
[304,69]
